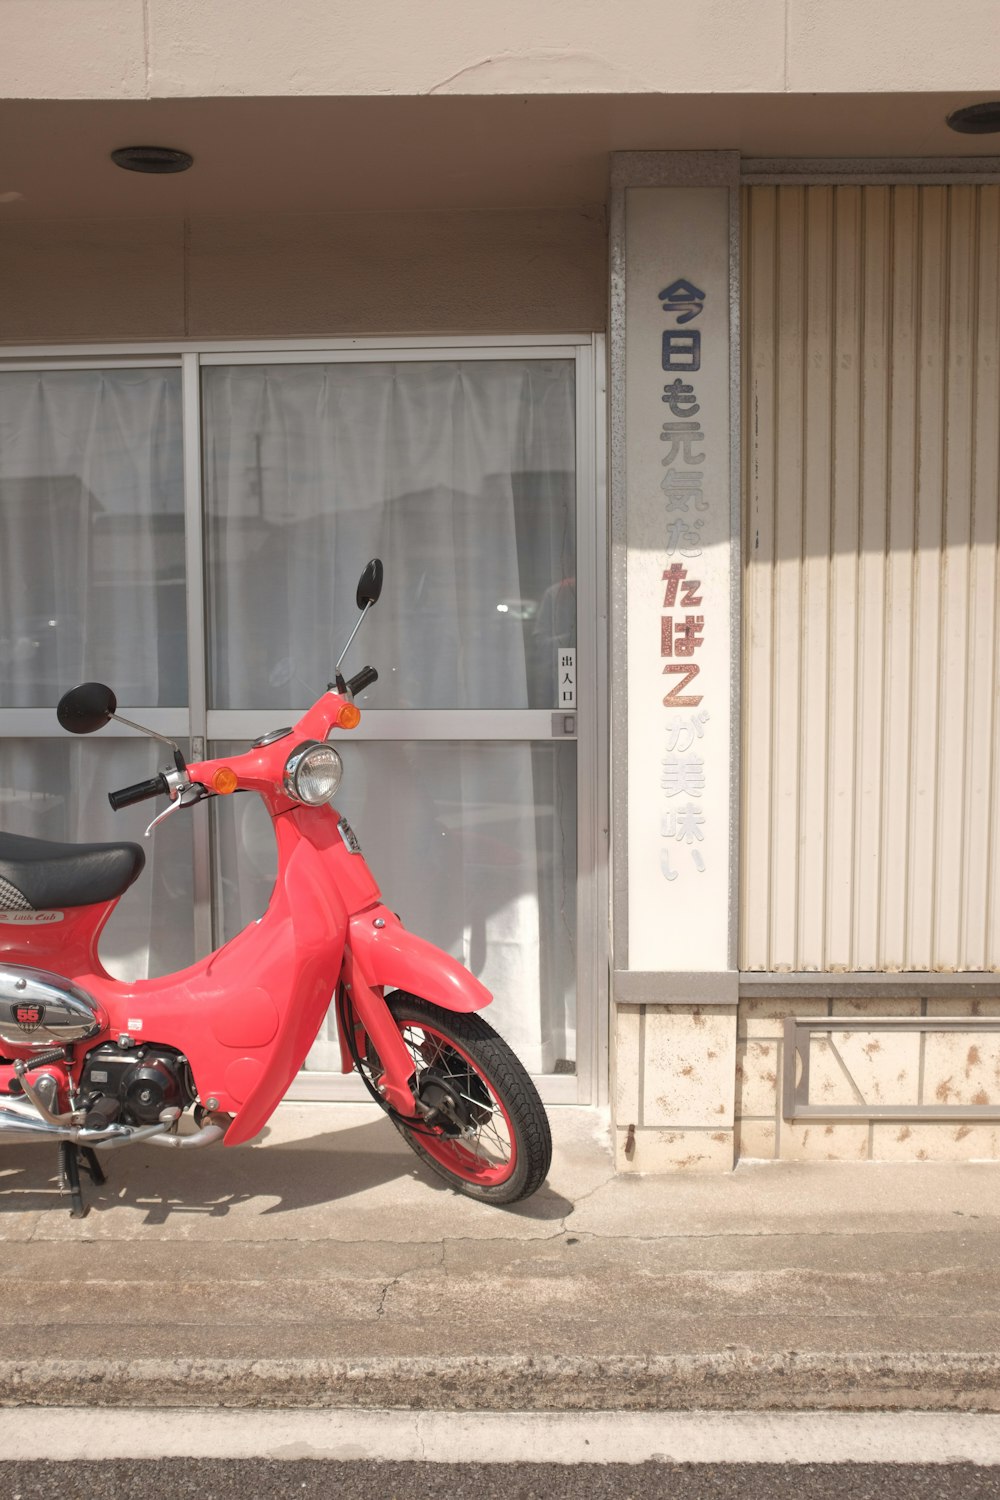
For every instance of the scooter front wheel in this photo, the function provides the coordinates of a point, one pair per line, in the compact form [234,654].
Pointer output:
[487,1133]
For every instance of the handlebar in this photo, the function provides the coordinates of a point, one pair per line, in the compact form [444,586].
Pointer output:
[184,793]
[155,787]
[361,680]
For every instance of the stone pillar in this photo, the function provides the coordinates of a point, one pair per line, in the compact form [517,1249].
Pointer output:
[675,507]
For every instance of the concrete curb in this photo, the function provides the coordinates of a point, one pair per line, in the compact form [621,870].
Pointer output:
[728,1381]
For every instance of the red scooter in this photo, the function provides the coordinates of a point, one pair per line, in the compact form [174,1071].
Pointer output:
[97,1064]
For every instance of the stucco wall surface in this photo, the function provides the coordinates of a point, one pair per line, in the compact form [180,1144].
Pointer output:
[131,49]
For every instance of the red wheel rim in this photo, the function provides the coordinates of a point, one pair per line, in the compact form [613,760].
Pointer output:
[488,1156]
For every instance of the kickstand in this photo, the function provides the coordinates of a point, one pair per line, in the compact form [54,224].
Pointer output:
[69,1173]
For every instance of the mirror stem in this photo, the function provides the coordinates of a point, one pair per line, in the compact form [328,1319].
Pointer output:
[120,719]
[354,632]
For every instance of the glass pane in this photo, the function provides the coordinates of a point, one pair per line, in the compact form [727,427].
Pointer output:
[57,789]
[91,535]
[460,476]
[474,845]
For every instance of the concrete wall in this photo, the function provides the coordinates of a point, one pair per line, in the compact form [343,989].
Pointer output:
[250,277]
[133,49]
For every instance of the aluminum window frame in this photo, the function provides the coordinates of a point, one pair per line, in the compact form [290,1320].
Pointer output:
[198,724]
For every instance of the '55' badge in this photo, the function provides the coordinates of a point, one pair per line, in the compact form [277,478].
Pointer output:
[28,1014]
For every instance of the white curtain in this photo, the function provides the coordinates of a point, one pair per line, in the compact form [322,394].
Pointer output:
[57,789]
[92,587]
[91,567]
[461,476]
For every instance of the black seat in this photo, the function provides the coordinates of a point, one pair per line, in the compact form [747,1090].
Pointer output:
[36,875]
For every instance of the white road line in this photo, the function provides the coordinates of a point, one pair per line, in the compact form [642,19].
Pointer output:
[73,1433]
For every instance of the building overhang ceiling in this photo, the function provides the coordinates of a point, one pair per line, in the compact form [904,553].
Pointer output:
[326,155]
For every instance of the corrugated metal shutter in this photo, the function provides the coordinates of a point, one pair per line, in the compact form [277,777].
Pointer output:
[871,727]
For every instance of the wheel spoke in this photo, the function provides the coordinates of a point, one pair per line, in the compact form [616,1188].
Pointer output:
[484,1153]
[485,1145]
[501,1146]
[479,1103]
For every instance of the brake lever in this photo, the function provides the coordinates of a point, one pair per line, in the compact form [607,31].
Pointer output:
[186,796]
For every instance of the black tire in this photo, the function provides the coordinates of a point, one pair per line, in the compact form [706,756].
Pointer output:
[464,1046]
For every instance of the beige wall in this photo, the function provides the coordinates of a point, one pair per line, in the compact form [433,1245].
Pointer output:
[248,277]
[134,49]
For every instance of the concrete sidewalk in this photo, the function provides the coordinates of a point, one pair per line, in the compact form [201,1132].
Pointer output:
[325,1266]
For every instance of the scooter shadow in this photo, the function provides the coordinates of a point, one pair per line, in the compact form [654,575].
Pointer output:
[295,1175]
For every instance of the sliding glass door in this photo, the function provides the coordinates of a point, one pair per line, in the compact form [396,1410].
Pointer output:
[196,528]
[92,586]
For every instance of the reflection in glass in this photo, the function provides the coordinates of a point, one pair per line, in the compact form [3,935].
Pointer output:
[91,535]
[460,475]
[474,844]
[57,789]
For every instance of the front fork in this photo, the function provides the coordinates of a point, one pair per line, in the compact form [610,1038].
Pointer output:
[366,1007]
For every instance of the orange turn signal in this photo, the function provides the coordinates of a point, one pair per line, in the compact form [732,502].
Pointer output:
[349,716]
[225,781]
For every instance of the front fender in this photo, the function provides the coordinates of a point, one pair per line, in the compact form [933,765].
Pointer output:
[387,954]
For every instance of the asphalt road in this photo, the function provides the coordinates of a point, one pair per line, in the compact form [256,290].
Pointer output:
[211,1479]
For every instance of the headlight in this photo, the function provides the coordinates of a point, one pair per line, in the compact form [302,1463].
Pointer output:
[312,773]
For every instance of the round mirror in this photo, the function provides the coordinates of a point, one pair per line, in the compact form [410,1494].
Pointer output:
[86,708]
[370,583]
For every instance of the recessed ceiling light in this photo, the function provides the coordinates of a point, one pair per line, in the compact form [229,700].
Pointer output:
[151,159]
[976,119]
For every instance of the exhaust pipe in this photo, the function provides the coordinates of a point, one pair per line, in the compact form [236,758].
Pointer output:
[29,1126]
[206,1136]
[19,1121]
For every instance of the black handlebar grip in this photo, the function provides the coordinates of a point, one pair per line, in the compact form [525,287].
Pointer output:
[155,787]
[361,680]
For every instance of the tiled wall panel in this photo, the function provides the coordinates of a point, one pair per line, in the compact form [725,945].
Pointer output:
[857,1068]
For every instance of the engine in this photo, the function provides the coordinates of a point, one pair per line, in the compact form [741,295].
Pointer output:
[134,1086]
